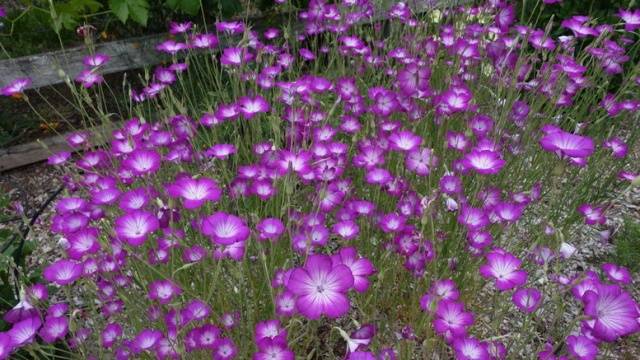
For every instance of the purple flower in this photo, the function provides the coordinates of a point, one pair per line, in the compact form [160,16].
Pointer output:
[194,192]
[404,140]
[270,349]
[270,229]
[564,143]
[163,291]
[170,46]
[614,311]
[135,226]
[421,161]
[224,349]
[527,299]
[361,268]
[23,332]
[484,162]
[110,334]
[179,28]
[469,348]
[54,328]
[95,60]
[592,215]
[142,162]
[225,229]
[473,218]
[63,272]
[505,269]
[6,346]
[616,273]
[346,229]
[145,340]
[250,106]
[631,19]
[88,78]
[450,318]
[581,347]
[15,87]
[321,287]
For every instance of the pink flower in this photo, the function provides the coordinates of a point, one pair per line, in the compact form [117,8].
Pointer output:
[179,28]
[270,349]
[469,348]
[225,229]
[527,299]
[404,140]
[54,328]
[581,347]
[484,162]
[63,272]
[250,106]
[614,311]
[135,226]
[23,332]
[565,143]
[142,162]
[88,78]
[631,19]
[505,269]
[270,229]
[6,346]
[170,46]
[145,340]
[321,288]
[194,192]
[616,273]
[15,87]
[450,318]
[95,60]
[163,291]
[361,268]
[592,215]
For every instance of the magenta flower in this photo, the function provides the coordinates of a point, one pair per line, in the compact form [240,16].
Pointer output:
[142,162]
[179,28]
[110,334]
[194,192]
[270,229]
[361,268]
[321,288]
[170,46]
[592,215]
[89,78]
[527,299]
[163,291]
[469,348]
[581,347]
[54,328]
[564,143]
[63,272]
[6,346]
[96,60]
[204,41]
[224,349]
[135,226]
[145,340]
[23,332]
[614,311]
[404,140]
[346,229]
[631,19]
[473,218]
[225,229]
[270,349]
[618,147]
[450,318]
[15,87]
[421,161]
[484,162]
[250,106]
[505,269]
[616,273]
[234,56]
[270,329]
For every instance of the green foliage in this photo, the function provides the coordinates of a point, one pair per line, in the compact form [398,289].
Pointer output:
[136,10]
[68,14]
[190,7]
[627,245]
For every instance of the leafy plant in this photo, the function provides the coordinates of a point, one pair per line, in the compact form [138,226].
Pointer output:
[627,245]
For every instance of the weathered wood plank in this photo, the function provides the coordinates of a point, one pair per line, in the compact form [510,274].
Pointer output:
[37,151]
[53,67]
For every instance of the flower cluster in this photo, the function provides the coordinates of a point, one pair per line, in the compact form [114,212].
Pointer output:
[349,177]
